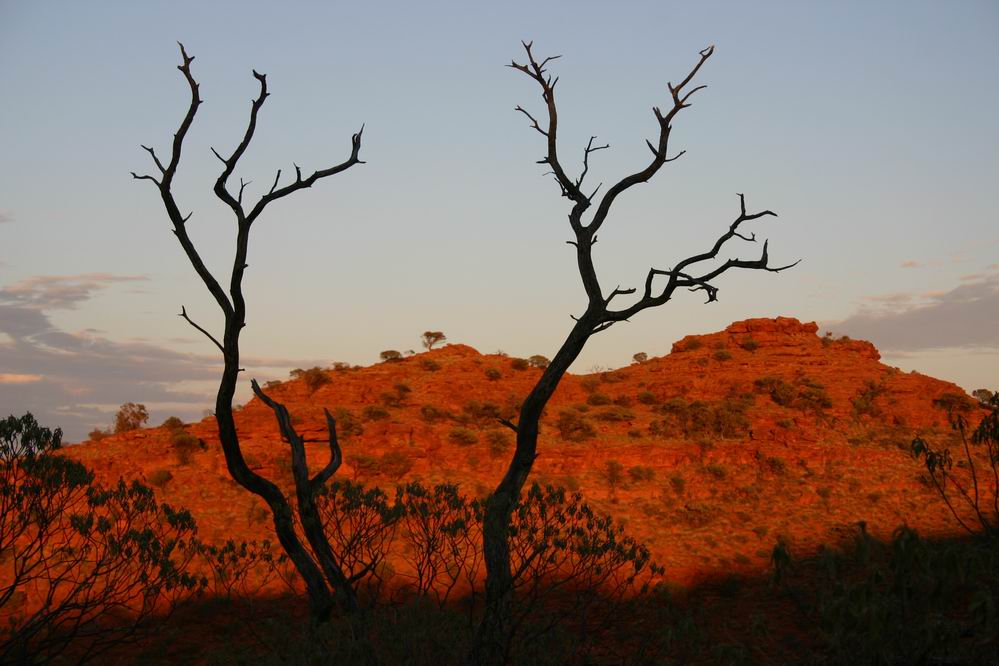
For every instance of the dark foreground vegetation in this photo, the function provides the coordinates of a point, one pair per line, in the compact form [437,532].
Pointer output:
[108,573]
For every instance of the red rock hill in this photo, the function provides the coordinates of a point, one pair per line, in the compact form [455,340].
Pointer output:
[707,454]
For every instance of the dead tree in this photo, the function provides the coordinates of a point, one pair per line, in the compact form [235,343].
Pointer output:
[324,578]
[692,273]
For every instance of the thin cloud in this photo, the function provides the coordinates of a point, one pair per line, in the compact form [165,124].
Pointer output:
[13,378]
[75,380]
[964,317]
[60,292]
[5,217]
[912,264]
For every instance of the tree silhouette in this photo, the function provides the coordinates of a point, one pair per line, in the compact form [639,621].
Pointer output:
[315,562]
[660,285]
[431,338]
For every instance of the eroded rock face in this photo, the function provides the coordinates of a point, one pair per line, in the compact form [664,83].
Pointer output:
[787,433]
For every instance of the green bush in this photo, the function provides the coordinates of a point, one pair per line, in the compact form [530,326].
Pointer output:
[613,473]
[100,562]
[640,473]
[692,344]
[313,377]
[499,442]
[463,436]
[395,464]
[749,344]
[160,478]
[538,361]
[374,413]
[347,423]
[492,374]
[390,355]
[520,363]
[722,355]
[430,364]
[172,423]
[780,391]
[865,401]
[598,399]
[130,416]
[615,414]
[184,445]
[726,418]
[432,414]
[481,413]
[573,427]
[647,398]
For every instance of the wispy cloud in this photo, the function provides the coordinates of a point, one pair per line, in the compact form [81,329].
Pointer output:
[12,378]
[59,292]
[964,317]
[75,380]
[912,264]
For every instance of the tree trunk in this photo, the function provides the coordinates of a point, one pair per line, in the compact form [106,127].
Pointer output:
[492,641]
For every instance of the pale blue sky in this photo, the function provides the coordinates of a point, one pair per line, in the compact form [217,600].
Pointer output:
[870,128]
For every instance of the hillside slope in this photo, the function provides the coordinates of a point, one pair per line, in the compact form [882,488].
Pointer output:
[707,454]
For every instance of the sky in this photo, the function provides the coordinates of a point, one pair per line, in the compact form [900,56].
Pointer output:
[868,127]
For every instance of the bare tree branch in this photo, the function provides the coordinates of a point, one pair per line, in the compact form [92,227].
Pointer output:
[183,313]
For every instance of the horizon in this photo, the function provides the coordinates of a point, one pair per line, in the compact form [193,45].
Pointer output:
[830,116]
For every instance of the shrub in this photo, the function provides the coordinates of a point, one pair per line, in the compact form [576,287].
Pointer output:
[130,416]
[396,397]
[647,398]
[640,473]
[431,338]
[481,413]
[692,344]
[726,418]
[97,434]
[780,391]
[340,366]
[749,344]
[983,396]
[598,399]
[640,357]
[977,459]
[722,355]
[463,436]
[538,361]
[678,483]
[520,363]
[716,470]
[430,364]
[313,378]
[390,355]
[272,384]
[492,374]
[864,402]
[347,423]
[99,561]
[172,423]
[160,477]
[613,473]
[432,414]
[499,442]
[574,428]
[374,413]
[624,401]
[184,446]
[615,414]
[395,464]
